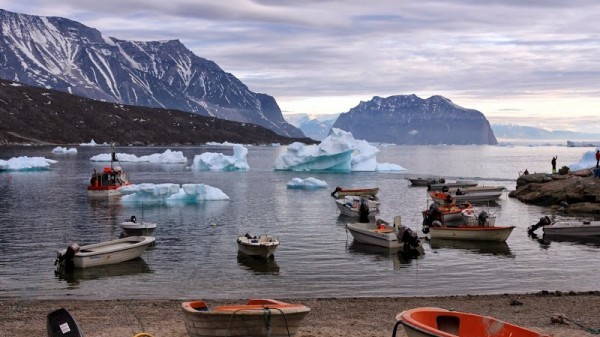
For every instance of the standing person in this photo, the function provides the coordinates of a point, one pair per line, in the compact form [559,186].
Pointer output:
[597,158]
[554,164]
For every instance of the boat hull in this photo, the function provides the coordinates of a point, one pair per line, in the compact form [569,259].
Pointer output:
[103,193]
[110,252]
[368,233]
[575,228]
[248,320]
[458,183]
[138,229]
[473,233]
[436,322]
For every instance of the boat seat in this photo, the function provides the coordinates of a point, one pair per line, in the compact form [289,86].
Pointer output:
[449,324]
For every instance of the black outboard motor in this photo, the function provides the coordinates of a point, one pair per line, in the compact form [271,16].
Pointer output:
[363,211]
[482,218]
[67,257]
[544,221]
[60,323]
[445,189]
[411,243]
[337,189]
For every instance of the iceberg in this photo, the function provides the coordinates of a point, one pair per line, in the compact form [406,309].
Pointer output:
[210,161]
[93,143]
[588,160]
[309,183]
[168,193]
[337,152]
[167,157]
[64,150]
[26,164]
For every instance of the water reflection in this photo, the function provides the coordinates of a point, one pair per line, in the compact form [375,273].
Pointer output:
[258,265]
[400,259]
[583,240]
[131,267]
[479,247]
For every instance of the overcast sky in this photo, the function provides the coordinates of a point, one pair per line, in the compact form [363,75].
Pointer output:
[527,62]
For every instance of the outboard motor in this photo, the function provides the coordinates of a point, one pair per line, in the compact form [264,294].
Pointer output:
[544,221]
[60,323]
[445,189]
[483,218]
[67,257]
[363,211]
[337,189]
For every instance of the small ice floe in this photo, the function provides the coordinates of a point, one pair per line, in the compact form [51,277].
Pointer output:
[210,161]
[309,183]
[64,150]
[93,143]
[26,164]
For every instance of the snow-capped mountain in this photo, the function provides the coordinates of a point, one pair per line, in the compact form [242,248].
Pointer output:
[408,119]
[314,126]
[57,53]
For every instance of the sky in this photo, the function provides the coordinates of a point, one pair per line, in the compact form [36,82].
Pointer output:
[523,62]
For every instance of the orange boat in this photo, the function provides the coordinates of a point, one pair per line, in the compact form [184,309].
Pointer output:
[445,212]
[436,322]
[107,182]
[258,317]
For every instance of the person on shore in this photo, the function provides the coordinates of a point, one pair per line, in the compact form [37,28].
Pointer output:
[597,158]
[526,172]
[554,164]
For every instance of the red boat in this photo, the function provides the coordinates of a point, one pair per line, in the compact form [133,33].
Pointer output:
[108,182]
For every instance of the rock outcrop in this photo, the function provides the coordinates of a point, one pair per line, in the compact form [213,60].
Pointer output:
[573,193]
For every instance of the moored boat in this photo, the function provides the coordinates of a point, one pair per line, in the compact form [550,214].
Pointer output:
[350,206]
[262,246]
[425,181]
[448,185]
[257,317]
[108,182]
[473,233]
[567,228]
[381,233]
[445,213]
[436,322]
[103,253]
[340,192]
[134,228]
[483,196]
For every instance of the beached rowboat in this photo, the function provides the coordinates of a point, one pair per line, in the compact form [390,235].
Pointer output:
[257,317]
[436,322]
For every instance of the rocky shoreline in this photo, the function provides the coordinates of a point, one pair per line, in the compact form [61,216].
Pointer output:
[552,313]
[572,193]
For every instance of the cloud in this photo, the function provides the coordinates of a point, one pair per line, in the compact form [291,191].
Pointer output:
[483,53]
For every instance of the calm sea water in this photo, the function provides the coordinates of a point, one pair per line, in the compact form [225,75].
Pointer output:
[195,255]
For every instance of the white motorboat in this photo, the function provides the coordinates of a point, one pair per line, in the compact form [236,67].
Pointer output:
[104,253]
[581,228]
[473,233]
[262,246]
[350,206]
[381,233]
[457,183]
[134,228]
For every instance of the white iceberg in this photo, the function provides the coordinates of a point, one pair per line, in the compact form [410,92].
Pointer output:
[210,161]
[93,143]
[64,150]
[167,157]
[337,152]
[227,144]
[309,183]
[170,193]
[588,160]
[26,164]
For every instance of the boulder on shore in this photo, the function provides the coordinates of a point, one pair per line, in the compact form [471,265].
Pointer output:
[574,192]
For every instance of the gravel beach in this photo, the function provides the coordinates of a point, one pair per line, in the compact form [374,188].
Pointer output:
[329,317]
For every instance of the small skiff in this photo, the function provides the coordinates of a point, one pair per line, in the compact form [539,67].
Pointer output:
[474,233]
[350,206]
[445,212]
[457,183]
[257,317]
[340,192]
[425,181]
[262,246]
[104,253]
[378,234]
[484,196]
[134,228]
[436,322]
[573,228]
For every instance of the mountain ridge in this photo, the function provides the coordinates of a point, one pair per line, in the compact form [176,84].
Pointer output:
[62,54]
